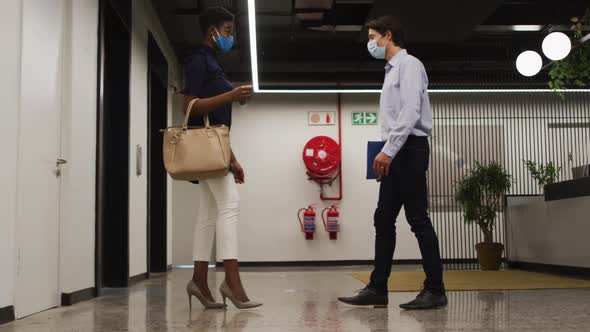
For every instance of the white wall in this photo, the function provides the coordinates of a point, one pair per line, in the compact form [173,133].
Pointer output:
[268,138]
[269,134]
[184,213]
[10,34]
[77,222]
[184,208]
[77,217]
[144,19]
[553,232]
[38,189]
[78,145]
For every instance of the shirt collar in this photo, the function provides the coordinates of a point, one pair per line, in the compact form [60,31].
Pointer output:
[396,59]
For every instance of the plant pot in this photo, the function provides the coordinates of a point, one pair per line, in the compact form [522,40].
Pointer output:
[489,255]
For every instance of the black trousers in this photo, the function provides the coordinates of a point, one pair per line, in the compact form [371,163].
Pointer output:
[406,186]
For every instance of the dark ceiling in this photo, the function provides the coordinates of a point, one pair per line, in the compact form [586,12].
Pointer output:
[322,43]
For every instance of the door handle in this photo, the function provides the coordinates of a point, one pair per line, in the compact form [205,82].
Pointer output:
[138,160]
[58,164]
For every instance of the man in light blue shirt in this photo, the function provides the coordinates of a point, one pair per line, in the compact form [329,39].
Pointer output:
[406,123]
[404,105]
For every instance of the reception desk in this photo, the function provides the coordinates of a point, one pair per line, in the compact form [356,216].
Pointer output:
[552,231]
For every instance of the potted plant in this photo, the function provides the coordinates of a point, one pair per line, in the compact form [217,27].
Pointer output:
[480,192]
[543,174]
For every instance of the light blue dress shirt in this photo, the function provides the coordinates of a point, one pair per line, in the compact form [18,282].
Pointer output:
[404,107]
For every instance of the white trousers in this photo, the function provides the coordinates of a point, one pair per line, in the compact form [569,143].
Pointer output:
[219,207]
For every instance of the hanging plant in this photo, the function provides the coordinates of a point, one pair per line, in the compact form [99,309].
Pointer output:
[574,70]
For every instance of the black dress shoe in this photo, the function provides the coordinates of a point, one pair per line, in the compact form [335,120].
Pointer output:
[367,297]
[426,300]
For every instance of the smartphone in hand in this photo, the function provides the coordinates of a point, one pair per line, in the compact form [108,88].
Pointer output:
[250,89]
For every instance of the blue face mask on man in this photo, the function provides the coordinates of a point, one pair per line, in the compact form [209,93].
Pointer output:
[378,52]
[224,43]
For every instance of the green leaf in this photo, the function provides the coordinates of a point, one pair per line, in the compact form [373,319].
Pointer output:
[479,192]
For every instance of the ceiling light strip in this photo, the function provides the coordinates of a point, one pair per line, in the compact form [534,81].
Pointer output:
[255,79]
[366,91]
[253,47]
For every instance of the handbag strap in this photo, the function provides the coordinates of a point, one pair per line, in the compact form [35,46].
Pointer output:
[189,109]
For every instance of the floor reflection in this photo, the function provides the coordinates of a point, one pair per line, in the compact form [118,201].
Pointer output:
[371,319]
[306,301]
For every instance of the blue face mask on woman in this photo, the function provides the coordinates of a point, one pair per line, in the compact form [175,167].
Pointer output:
[224,43]
[375,50]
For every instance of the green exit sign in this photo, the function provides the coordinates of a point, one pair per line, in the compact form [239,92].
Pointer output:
[364,118]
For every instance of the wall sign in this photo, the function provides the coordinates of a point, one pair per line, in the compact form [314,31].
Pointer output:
[364,118]
[322,118]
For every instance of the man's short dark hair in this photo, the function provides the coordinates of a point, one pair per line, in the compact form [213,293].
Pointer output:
[214,16]
[392,24]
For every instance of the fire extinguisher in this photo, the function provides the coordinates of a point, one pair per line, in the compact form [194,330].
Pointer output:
[308,222]
[331,223]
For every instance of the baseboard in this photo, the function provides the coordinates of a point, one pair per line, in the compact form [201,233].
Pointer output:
[458,261]
[78,296]
[6,315]
[573,271]
[343,263]
[138,278]
[302,263]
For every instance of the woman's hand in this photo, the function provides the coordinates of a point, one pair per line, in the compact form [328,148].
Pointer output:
[242,93]
[238,172]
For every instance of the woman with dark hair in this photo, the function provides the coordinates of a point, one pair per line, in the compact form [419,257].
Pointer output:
[219,200]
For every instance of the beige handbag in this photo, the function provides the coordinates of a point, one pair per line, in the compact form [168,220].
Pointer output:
[196,153]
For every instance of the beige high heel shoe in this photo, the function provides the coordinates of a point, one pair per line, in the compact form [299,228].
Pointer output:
[226,292]
[193,290]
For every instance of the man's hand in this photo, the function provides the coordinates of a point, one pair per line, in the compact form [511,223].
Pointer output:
[238,172]
[381,165]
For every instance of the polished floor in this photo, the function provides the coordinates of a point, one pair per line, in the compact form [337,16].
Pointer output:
[305,300]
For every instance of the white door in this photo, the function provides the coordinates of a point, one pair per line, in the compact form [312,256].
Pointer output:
[37,229]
